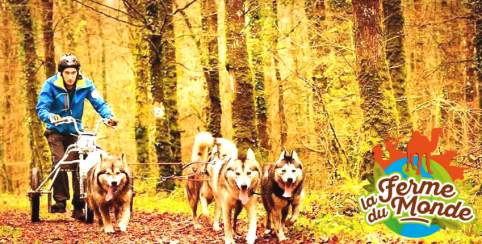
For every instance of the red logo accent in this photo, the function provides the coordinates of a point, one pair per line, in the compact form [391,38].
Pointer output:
[419,146]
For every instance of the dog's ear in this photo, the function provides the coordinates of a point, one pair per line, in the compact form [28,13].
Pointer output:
[282,156]
[250,155]
[123,158]
[214,154]
[101,155]
[235,154]
[295,157]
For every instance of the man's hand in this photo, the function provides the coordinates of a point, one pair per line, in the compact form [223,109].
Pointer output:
[55,118]
[113,121]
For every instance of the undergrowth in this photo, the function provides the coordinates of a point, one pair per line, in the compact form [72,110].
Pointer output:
[330,212]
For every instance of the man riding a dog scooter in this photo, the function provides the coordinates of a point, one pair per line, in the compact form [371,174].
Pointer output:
[63,95]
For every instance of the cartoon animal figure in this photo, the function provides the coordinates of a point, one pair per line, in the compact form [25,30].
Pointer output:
[378,155]
[390,145]
[419,144]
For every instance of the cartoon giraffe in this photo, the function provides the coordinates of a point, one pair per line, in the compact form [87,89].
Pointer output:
[390,145]
[419,144]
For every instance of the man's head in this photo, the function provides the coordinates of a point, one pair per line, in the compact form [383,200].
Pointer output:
[69,67]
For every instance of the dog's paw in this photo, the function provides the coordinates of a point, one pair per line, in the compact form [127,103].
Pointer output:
[122,227]
[282,237]
[109,229]
[216,227]
[250,239]
[197,226]
[229,241]
[290,222]
[206,219]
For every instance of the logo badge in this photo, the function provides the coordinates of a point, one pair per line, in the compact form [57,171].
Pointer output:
[95,94]
[413,193]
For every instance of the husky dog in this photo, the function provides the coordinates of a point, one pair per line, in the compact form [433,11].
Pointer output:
[200,189]
[282,188]
[233,183]
[108,185]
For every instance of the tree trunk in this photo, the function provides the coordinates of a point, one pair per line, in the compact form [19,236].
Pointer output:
[470,83]
[40,152]
[395,52]
[103,60]
[140,51]
[244,116]
[162,137]
[68,27]
[210,57]
[457,96]
[86,36]
[316,13]
[470,69]
[48,34]
[6,183]
[281,107]
[274,47]
[477,10]
[256,51]
[376,93]
[7,55]
[169,77]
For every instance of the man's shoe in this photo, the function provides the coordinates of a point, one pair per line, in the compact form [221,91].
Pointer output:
[78,213]
[58,207]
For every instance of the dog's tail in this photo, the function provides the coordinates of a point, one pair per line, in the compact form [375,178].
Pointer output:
[202,143]
[227,148]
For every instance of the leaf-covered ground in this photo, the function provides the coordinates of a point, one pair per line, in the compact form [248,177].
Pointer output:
[144,227]
[330,215]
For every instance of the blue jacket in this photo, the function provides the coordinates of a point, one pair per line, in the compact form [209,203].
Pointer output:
[54,99]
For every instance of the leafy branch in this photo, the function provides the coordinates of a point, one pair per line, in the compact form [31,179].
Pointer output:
[378,173]
[445,223]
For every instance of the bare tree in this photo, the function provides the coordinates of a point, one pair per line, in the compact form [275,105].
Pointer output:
[7,55]
[40,153]
[395,51]
[159,18]
[139,51]
[378,103]
[48,34]
[244,116]
[169,79]
[477,10]
[256,53]
[210,61]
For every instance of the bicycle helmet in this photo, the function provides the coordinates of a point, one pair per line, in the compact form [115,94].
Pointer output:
[68,61]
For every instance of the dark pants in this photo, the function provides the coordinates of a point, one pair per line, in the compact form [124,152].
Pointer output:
[58,143]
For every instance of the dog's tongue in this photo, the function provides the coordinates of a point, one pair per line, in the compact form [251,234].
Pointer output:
[110,193]
[288,189]
[243,196]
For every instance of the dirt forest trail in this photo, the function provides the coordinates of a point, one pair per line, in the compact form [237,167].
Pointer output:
[144,227]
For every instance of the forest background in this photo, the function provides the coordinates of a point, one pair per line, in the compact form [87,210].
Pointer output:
[329,79]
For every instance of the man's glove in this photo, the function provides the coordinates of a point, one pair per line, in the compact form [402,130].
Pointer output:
[55,118]
[113,121]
